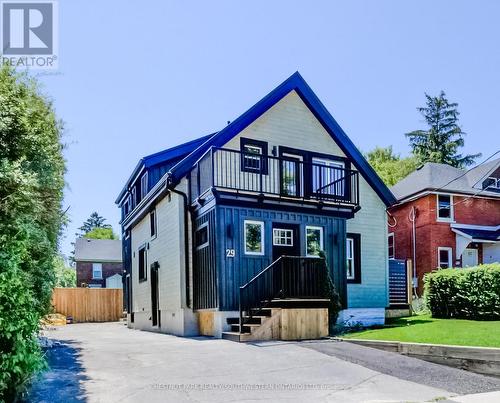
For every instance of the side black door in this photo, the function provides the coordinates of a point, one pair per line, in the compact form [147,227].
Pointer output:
[286,240]
[154,294]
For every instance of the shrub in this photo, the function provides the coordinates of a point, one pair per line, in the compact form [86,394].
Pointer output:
[472,293]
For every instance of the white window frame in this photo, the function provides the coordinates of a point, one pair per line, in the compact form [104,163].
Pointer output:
[350,242]
[249,155]
[389,236]
[144,189]
[450,256]
[94,266]
[277,236]
[452,213]
[321,238]
[262,237]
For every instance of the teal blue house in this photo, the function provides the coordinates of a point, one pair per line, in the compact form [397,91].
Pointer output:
[221,233]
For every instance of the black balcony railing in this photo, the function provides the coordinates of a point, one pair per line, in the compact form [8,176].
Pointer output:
[235,171]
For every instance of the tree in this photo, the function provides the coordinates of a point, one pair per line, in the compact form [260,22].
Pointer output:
[94,221]
[101,233]
[444,137]
[32,171]
[65,275]
[389,166]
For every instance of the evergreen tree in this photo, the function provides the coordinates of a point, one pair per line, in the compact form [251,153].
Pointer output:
[94,221]
[444,137]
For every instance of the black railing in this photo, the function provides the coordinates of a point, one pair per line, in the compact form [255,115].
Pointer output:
[289,178]
[287,277]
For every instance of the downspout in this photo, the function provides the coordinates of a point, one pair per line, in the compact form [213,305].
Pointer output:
[413,219]
[186,238]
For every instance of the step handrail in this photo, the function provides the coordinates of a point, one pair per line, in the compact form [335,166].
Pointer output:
[302,277]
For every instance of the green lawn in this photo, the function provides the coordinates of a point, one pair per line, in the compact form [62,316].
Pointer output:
[424,329]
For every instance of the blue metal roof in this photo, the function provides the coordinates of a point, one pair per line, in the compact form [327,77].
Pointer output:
[163,157]
[297,83]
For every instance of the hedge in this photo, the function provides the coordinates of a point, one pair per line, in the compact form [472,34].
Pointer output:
[471,293]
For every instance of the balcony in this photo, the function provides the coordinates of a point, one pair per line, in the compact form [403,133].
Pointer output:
[232,173]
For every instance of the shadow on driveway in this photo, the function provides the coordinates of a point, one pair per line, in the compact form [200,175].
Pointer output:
[63,380]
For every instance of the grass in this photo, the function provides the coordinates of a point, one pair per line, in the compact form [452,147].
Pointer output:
[425,329]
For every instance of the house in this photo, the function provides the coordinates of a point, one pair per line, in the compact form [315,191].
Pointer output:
[98,263]
[446,217]
[216,228]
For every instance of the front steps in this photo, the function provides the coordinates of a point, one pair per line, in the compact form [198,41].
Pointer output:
[283,319]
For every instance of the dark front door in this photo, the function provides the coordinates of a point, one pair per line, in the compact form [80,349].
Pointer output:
[154,294]
[286,241]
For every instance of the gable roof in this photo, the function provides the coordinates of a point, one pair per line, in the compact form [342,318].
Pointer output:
[445,178]
[172,155]
[98,250]
[294,83]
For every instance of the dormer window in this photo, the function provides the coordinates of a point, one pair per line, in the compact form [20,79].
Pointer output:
[492,183]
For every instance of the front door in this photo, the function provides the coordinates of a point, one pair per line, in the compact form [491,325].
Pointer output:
[286,241]
[469,258]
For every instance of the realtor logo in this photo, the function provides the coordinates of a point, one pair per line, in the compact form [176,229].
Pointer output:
[28,33]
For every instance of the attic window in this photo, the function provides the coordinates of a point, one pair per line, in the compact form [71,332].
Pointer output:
[492,183]
[253,154]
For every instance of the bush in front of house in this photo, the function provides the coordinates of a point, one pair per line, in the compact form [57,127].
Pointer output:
[471,293]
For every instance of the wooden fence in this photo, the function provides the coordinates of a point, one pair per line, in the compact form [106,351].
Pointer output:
[89,304]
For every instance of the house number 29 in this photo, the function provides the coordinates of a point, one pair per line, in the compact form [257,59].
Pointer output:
[230,253]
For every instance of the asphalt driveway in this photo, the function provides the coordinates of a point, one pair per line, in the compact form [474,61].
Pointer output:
[110,363]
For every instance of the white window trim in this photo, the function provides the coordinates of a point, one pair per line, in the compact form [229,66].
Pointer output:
[391,235]
[262,237]
[450,256]
[96,265]
[290,231]
[322,242]
[351,241]
[452,212]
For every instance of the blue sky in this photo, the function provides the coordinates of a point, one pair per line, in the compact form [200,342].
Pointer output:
[137,77]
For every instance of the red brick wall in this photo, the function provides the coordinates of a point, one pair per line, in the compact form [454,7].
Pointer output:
[431,234]
[84,273]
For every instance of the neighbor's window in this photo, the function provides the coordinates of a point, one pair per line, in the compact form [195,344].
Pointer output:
[142,256]
[254,237]
[97,271]
[152,223]
[253,154]
[201,236]
[444,257]
[445,207]
[283,237]
[353,258]
[390,245]
[314,241]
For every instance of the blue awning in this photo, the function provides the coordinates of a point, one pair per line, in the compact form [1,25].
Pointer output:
[491,234]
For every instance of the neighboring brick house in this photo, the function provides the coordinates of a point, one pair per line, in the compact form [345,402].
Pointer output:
[457,217]
[98,263]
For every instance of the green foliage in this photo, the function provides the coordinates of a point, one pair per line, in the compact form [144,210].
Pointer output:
[389,166]
[31,188]
[65,275]
[101,233]
[472,293]
[334,306]
[441,141]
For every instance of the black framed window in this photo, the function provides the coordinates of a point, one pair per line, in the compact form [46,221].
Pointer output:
[201,236]
[152,223]
[253,156]
[142,257]
[353,258]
